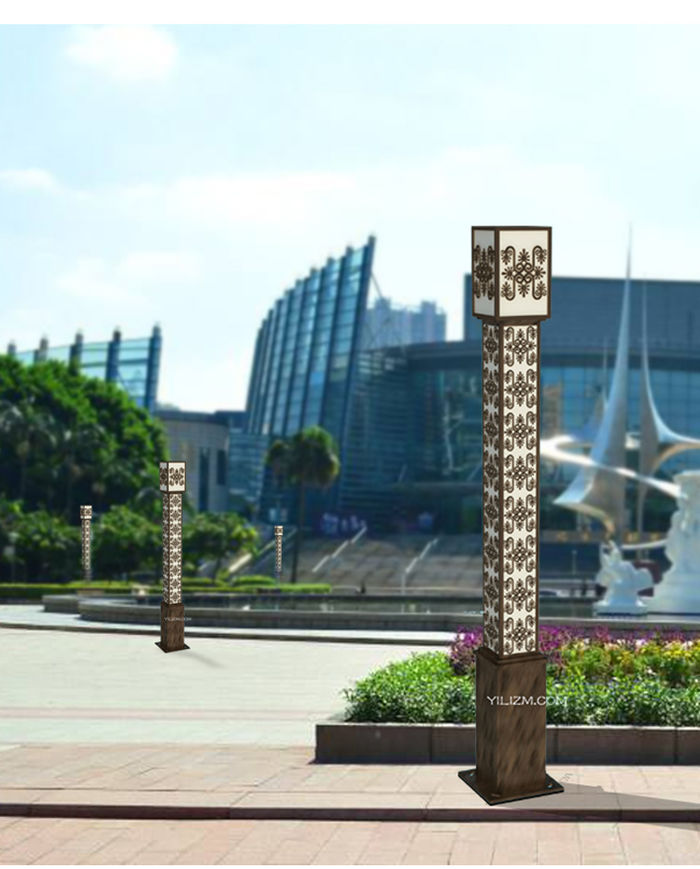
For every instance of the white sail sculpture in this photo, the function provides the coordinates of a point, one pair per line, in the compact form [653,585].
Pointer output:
[598,489]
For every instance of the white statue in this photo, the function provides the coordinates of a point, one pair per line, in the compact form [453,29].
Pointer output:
[679,590]
[622,581]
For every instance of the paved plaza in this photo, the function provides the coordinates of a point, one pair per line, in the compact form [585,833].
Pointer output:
[84,687]
[113,752]
[70,840]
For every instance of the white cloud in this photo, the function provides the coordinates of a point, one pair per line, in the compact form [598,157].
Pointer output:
[126,54]
[130,279]
[29,179]
[260,198]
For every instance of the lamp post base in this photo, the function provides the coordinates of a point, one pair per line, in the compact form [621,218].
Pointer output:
[468,776]
[511,728]
[172,627]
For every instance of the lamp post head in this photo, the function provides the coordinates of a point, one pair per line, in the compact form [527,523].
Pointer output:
[172,477]
[279,530]
[86,511]
[511,273]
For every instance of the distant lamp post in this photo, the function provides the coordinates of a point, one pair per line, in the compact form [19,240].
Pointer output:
[10,552]
[85,534]
[511,275]
[279,532]
[172,609]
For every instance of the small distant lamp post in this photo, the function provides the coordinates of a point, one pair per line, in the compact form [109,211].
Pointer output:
[511,275]
[10,552]
[85,533]
[172,609]
[279,532]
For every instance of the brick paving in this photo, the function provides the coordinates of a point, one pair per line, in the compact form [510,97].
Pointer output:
[232,781]
[101,842]
[113,753]
[108,688]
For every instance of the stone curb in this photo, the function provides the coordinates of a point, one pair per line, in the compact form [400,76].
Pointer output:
[347,742]
[348,813]
[232,634]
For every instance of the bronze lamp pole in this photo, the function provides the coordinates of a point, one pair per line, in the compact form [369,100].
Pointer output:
[511,278]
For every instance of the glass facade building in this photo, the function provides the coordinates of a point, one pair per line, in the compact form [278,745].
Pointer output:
[306,353]
[408,416]
[133,364]
[415,417]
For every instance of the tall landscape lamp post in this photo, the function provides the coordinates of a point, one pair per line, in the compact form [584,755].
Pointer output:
[279,531]
[172,609]
[511,277]
[85,526]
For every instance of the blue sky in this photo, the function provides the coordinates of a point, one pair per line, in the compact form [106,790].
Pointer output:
[188,174]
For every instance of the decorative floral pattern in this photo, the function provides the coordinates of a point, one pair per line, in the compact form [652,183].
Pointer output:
[520,507]
[491,336]
[520,431]
[520,345]
[484,271]
[510,397]
[524,272]
[177,476]
[520,514]
[520,388]
[518,634]
[172,547]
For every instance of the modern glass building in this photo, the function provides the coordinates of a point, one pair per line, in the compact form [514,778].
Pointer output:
[133,364]
[306,354]
[415,418]
[408,416]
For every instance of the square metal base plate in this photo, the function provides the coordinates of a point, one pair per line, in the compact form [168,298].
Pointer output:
[468,776]
[185,646]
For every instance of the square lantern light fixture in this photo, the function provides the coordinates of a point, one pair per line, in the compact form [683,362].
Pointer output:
[511,273]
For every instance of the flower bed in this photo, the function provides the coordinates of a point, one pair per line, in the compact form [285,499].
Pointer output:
[596,677]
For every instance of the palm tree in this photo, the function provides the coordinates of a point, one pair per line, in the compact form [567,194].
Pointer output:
[307,459]
[24,429]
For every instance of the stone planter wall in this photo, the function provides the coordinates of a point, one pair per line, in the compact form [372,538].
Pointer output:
[341,742]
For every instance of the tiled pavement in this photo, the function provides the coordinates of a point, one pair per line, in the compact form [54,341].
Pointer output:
[198,782]
[107,688]
[95,842]
[107,723]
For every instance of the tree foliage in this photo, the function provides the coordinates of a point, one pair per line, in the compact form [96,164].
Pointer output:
[125,541]
[308,458]
[66,440]
[214,536]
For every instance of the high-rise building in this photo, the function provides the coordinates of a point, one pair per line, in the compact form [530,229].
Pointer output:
[389,325]
[305,357]
[133,364]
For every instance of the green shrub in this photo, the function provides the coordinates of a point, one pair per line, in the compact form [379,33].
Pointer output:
[654,685]
[257,581]
[422,688]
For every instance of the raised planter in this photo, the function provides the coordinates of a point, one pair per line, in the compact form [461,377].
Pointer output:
[349,742]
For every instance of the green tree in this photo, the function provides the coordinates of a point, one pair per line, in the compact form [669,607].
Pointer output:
[307,459]
[23,430]
[215,536]
[67,439]
[47,547]
[124,541]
